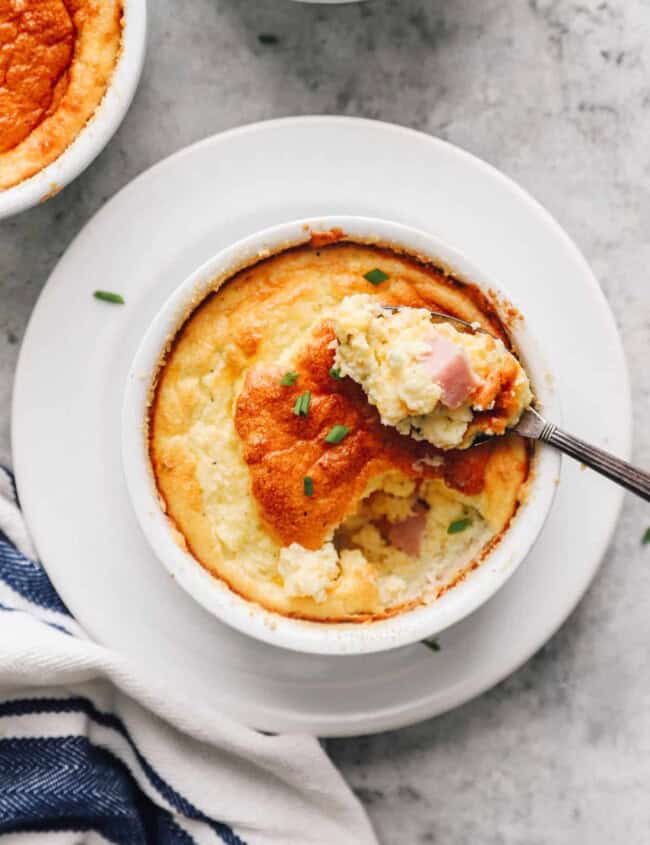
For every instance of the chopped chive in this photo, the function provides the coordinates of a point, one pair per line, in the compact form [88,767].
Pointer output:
[337,433]
[376,276]
[267,38]
[107,296]
[335,372]
[459,525]
[646,536]
[434,645]
[301,405]
[289,378]
[308,486]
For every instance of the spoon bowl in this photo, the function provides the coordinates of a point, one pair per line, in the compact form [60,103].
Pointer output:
[439,316]
[533,426]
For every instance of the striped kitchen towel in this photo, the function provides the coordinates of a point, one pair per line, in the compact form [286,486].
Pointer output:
[92,749]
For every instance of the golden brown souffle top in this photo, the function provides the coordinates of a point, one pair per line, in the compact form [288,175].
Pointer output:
[219,411]
[56,62]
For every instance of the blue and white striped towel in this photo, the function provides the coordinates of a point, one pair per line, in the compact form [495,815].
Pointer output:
[93,750]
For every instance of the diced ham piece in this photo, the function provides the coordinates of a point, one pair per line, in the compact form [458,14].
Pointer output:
[407,534]
[450,368]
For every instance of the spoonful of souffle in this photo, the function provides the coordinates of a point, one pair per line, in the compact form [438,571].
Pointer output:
[452,383]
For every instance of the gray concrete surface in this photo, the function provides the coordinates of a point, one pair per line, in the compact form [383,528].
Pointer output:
[556,94]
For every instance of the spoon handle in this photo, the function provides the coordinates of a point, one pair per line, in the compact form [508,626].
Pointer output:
[635,480]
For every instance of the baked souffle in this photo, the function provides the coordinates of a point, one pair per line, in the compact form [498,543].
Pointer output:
[317,452]
[57,58]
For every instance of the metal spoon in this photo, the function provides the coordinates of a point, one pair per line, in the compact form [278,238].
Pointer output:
[533,426]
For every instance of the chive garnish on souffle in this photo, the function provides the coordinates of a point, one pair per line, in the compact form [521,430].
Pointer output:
[289,379]
[301,405]
[459,525]
[337,433]
[376,276]
[308,486]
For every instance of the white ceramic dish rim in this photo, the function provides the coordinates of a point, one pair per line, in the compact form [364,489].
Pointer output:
[212,593]
[99,129]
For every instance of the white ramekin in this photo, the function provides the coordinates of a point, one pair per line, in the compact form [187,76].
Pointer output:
[100,128]
[214,594]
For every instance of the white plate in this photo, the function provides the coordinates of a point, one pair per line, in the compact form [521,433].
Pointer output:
[76,353]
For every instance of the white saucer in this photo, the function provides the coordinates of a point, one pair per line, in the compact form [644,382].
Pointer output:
[73,364]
